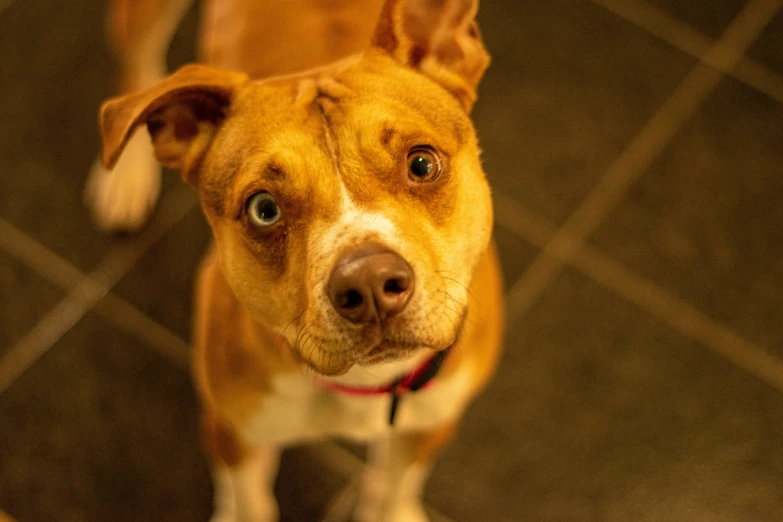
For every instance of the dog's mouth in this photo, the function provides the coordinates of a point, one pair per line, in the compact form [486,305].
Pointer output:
[388,350]
[332,359]
[391,347]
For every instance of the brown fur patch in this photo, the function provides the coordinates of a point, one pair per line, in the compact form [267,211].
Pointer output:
[221,442]
[270,247]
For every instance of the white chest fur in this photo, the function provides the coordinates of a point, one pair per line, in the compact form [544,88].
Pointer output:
[300,409]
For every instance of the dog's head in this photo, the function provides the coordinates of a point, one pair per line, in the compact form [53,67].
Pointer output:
[348,204]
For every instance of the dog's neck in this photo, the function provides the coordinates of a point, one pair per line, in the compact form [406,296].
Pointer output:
[381,374]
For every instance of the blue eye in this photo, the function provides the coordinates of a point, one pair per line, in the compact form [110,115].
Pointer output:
[262,209]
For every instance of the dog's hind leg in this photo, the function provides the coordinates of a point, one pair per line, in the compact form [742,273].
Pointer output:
[140,32]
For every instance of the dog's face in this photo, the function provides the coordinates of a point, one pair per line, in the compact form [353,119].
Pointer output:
[308,171]
[348,204]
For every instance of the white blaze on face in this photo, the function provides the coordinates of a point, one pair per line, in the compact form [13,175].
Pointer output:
[353,229]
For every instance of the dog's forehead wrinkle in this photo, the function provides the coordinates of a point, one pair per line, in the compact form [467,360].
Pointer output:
[332,145]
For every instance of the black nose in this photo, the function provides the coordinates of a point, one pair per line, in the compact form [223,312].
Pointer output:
[370,284]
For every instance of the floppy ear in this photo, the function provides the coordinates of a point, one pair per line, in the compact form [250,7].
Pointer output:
[182,113]
[440,38]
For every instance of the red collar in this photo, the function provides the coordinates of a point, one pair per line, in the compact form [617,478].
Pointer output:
[417,380]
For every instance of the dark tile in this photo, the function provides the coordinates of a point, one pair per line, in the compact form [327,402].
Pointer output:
[711,18]
[515,255]
[55,69]
[768,49]
[305,486]
[705,220]
[602,413]
[183,46]
[24,300]
[569,86]
[102,428]
[161,282]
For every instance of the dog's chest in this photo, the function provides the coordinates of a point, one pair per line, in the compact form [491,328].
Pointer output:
[301,409]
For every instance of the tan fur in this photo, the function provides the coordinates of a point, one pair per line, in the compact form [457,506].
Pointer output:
[276,37]
[329,137]
[139,31]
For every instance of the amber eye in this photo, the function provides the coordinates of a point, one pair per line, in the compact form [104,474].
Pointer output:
[262,209]
[423,164]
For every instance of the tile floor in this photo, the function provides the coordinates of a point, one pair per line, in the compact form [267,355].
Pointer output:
[636,149]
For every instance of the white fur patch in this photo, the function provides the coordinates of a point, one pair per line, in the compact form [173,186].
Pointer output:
[300,409]
[354,224]
[244,493]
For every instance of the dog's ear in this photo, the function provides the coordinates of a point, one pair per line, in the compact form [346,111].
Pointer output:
[440,38]
[182,113]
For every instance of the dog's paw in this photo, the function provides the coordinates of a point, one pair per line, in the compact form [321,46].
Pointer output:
[407,512]
[233,516]
[122,199]
[411,511]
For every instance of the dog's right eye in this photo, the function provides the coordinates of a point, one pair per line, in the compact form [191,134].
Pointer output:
[423,164]
[262,209]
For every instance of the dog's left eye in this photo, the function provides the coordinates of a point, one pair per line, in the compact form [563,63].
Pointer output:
[262,209]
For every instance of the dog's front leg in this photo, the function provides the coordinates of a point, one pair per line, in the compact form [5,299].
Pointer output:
[243,475]
[244,492]
[393,481]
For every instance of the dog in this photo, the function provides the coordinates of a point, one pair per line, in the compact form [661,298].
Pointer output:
[353,287]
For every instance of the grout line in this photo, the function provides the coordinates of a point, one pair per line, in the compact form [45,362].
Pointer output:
[760,78]
[647,296]
[173,209]
[637,157]
[660,24]
[86,294]
[521,221]
[341,506]
[49,330]
[683,37]
[57,270]
[38,257]
[155,335]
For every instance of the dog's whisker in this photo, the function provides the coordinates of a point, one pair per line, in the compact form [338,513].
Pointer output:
[292,321]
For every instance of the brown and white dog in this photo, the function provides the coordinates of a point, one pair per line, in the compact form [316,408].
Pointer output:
[353,288]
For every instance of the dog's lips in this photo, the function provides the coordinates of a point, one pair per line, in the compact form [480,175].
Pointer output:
[387,350]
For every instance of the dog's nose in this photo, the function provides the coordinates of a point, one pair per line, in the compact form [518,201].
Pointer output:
[370,284]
